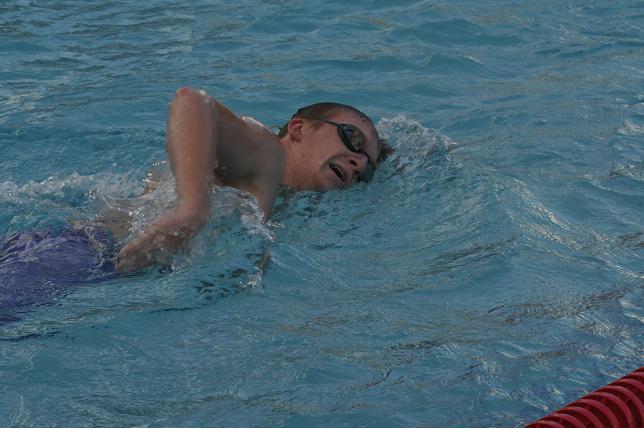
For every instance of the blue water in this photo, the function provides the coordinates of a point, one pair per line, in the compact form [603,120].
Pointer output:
[492,272]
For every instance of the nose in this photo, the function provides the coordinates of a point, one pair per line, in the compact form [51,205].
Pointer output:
[358,162]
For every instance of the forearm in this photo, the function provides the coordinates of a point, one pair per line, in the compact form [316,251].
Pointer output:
[192,147]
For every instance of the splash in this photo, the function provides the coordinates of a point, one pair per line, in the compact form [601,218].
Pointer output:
[411,138]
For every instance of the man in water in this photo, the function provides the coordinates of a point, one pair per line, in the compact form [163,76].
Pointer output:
[323,147]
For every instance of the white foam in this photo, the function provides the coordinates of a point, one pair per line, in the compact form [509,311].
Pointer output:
[107,183]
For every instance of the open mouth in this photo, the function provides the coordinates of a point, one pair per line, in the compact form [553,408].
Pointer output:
[337,170]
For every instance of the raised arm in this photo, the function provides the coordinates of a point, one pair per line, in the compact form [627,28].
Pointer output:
[191,144]
[206,142]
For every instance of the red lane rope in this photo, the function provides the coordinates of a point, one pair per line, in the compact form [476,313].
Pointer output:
[619,404]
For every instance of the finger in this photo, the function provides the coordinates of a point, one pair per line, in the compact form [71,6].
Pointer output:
[132,257]
[134,262]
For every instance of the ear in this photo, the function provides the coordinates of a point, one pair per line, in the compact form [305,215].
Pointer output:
[295,128]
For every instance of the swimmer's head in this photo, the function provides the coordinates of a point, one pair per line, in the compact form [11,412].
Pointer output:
[326,110]
[341,147]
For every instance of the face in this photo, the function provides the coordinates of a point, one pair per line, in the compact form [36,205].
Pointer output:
[329,162]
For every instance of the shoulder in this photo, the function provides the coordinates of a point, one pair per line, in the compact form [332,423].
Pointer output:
[254,123]
[265,144]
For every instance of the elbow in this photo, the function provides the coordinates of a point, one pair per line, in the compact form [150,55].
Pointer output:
[186,94]
[193,119]
[187,98]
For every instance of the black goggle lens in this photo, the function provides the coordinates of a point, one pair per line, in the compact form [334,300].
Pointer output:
[353,138]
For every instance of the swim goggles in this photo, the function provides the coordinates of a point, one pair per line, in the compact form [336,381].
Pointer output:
[354,140]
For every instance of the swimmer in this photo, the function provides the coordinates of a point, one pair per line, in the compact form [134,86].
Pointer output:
[322,147]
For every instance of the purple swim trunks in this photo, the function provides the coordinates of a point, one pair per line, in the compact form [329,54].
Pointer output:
[37,266]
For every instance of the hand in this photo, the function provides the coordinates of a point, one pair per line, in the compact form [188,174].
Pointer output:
[168,235]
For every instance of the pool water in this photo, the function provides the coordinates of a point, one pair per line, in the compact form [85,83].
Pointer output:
[492,272]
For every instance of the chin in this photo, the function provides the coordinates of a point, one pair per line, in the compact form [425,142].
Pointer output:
[321,184]
[324,188]
[334,186]
[326,182]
